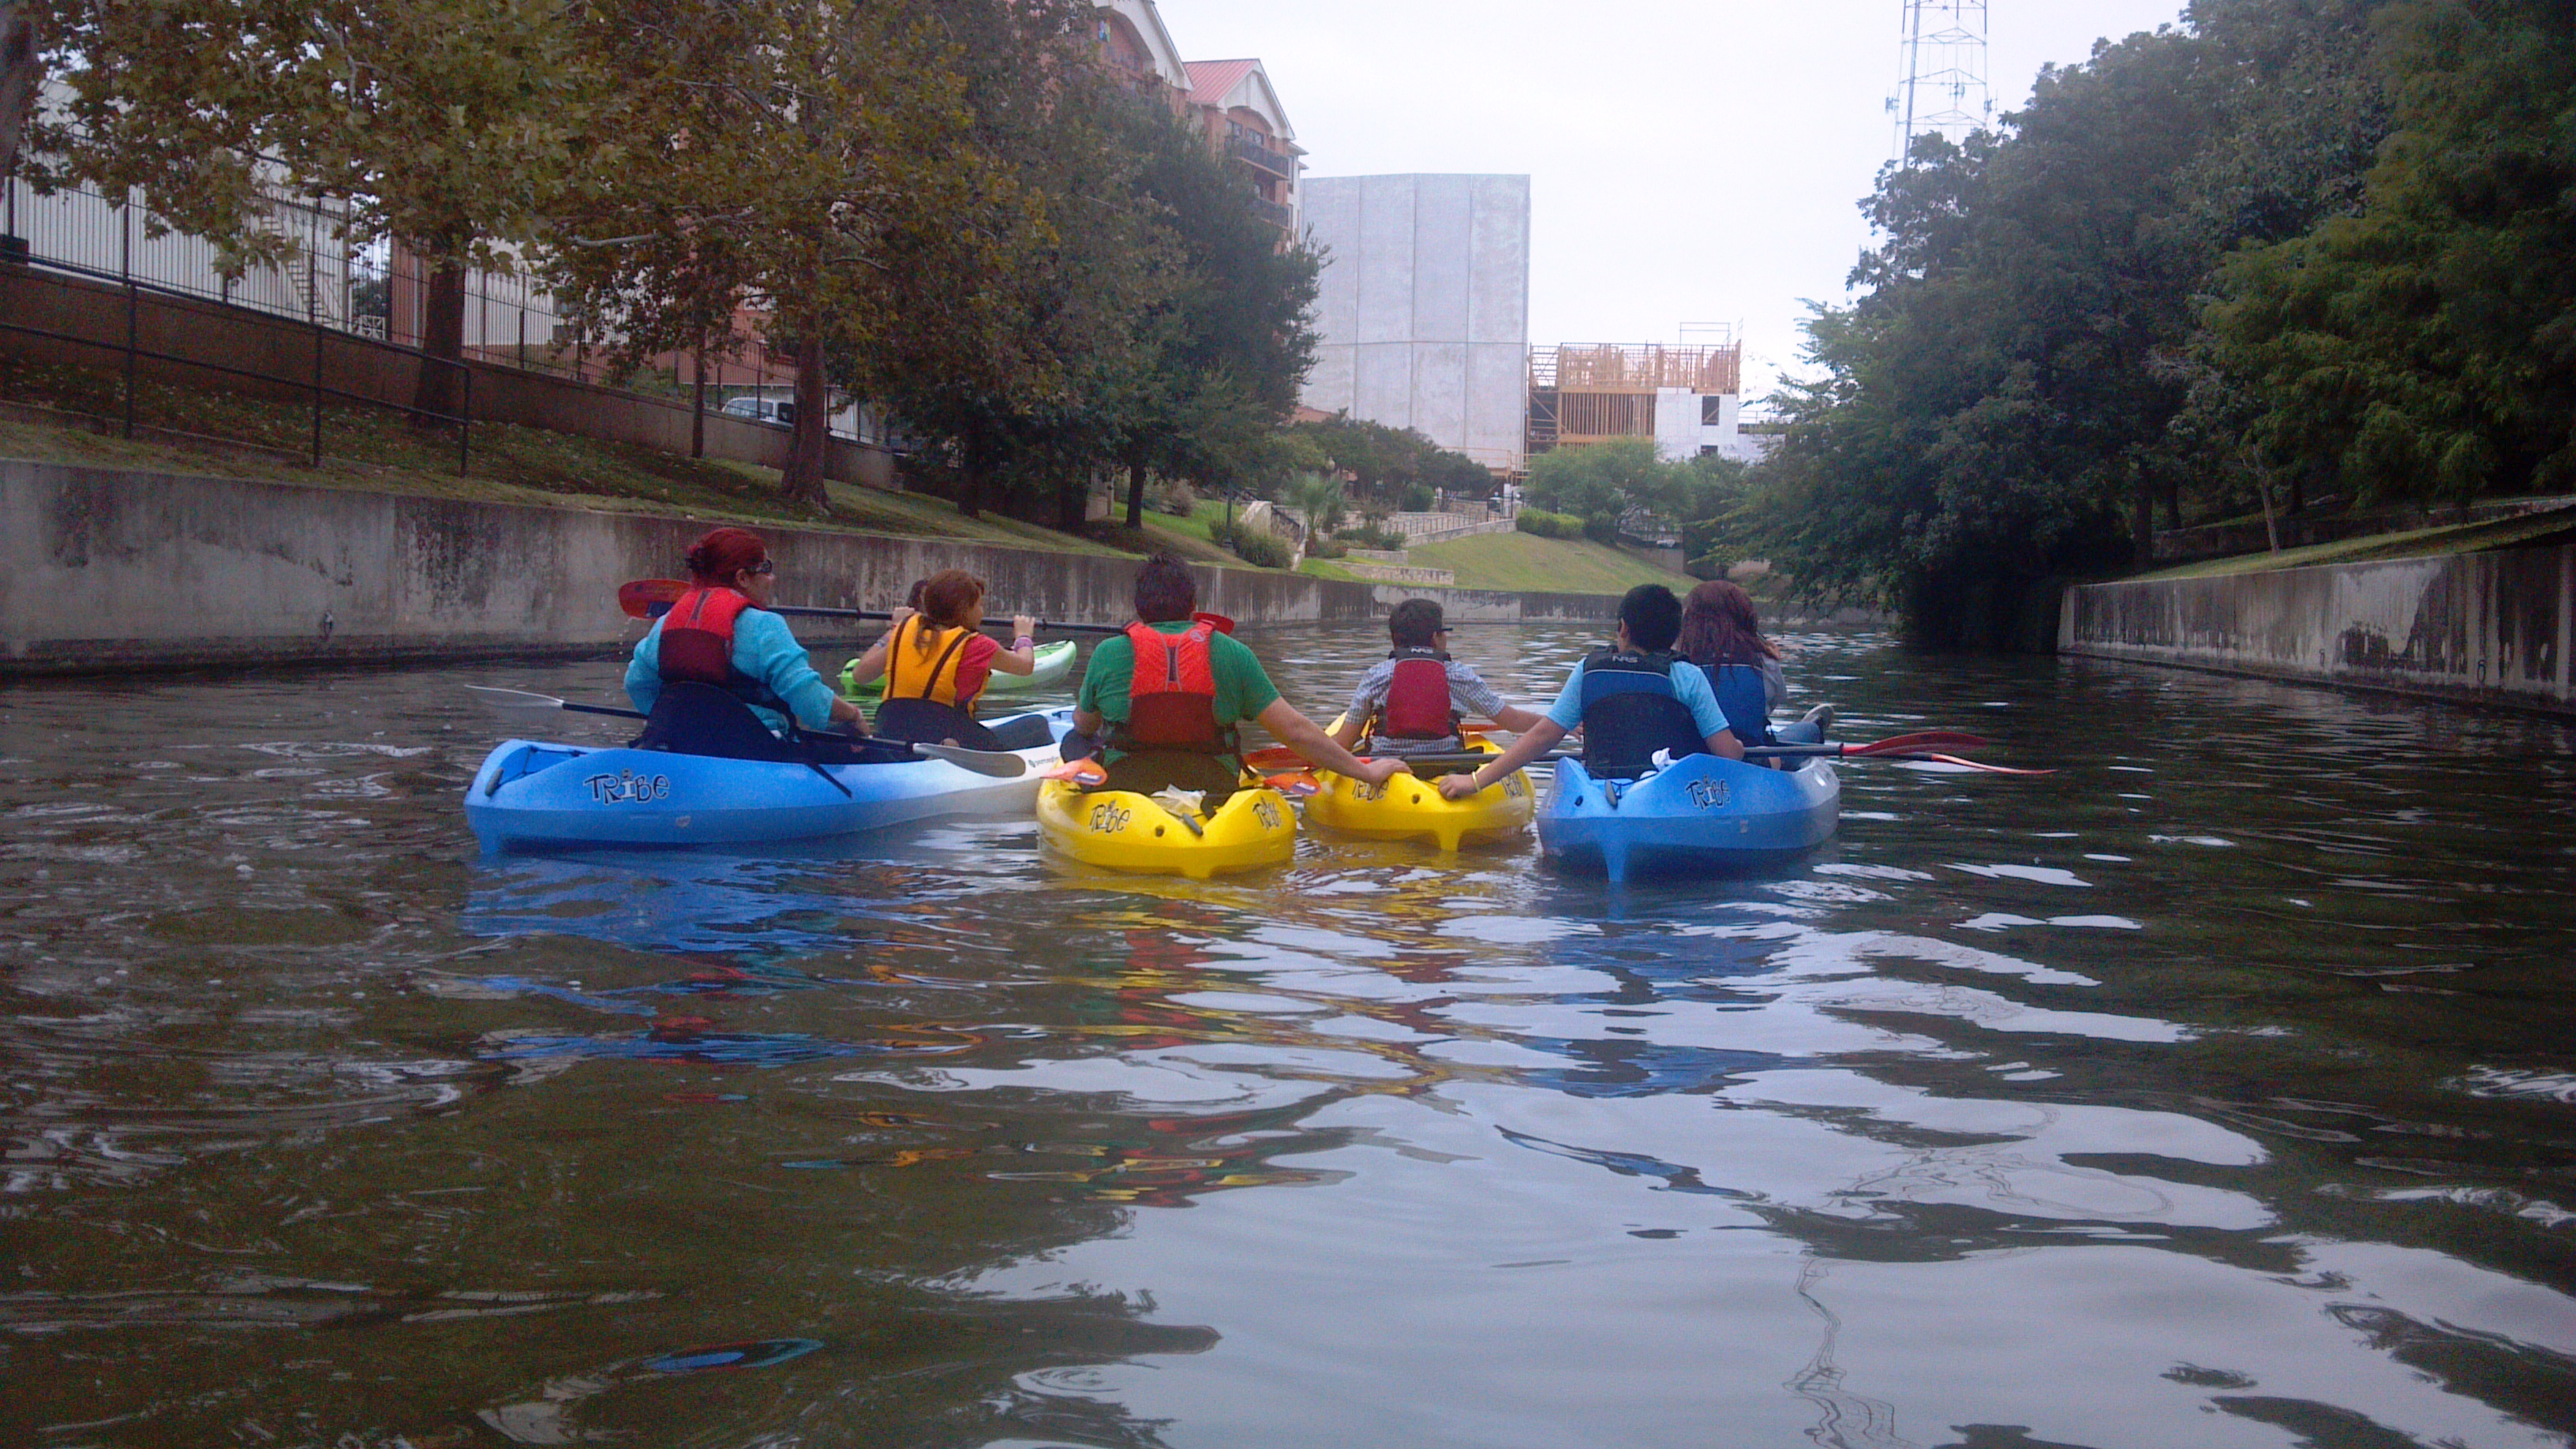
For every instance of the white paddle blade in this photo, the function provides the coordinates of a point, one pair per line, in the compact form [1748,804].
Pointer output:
[513,701]
[982,762]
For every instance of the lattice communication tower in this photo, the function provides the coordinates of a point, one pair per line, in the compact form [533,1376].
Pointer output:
[1941,74]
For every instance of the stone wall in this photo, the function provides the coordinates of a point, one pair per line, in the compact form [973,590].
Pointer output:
[2488,628]
[104,570]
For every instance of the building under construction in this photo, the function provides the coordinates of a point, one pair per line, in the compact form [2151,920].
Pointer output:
[1686,399]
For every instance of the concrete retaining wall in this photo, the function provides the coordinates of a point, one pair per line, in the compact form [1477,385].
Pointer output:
[104,570]
[2489,628]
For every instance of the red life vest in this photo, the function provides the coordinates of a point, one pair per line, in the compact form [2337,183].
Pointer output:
[697,636]
[1417,698]
[1171,695]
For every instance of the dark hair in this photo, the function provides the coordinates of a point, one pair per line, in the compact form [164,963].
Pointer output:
[716,558]
[1164,590]
[1653,616]
[1414,624]
[945,598]
[912,599]
[1720,627]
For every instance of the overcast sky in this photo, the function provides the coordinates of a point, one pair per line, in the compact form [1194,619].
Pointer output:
[1689,160]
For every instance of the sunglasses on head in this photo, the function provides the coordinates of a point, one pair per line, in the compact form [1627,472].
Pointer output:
[765,566]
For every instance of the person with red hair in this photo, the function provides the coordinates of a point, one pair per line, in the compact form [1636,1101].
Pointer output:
[721,633]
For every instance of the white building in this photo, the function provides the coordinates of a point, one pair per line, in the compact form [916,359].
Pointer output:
[1424,307]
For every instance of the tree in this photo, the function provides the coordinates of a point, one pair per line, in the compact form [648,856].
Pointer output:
[22,72]
[451,125]
[1600,482]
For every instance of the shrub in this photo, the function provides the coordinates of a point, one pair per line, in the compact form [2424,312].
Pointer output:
[1370,535]
[1171,496]
[1416,498]
[1548,525]
[1327,548]
[1257,546]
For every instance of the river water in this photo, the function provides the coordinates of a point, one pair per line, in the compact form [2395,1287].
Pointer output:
[2216,1090]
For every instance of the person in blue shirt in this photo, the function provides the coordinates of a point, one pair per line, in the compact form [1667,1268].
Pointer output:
[1630,701]
[721,633]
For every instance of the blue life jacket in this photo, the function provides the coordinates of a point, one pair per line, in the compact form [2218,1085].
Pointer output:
[1630,710]
[1745,698]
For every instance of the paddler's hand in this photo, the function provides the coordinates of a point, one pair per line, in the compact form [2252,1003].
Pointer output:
[1024,626]
[1378,772]
[844,712]
[1458,787]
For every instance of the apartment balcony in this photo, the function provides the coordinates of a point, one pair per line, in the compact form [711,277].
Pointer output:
[1273,213]
[1245,147]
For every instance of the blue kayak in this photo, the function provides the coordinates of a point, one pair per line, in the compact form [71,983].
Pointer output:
[1698,816]
[534,795]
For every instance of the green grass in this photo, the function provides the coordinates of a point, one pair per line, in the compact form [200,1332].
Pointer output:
[2528,529]
[203,431]
[1518,562]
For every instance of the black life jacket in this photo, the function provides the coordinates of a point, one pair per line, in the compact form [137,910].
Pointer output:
[1630,710]
[1417,698]
[697,646]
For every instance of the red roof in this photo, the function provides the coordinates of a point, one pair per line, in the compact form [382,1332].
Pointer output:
[1210,80]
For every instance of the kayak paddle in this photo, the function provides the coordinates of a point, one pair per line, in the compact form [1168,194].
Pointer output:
[652,598]
[999,764]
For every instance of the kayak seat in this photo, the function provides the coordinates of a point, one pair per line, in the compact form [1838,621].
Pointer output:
[1626,720]
[690,718]
[1147,771]
[925,722]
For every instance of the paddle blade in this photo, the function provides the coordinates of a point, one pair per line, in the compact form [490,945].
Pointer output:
[1296,784]
[1920,740]
[995,763]
[1218,622]
[1274,757]
[513,701]
[649,598]
[1978,765]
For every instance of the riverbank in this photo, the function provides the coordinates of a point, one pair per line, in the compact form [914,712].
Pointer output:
[106,570]
[2487,628]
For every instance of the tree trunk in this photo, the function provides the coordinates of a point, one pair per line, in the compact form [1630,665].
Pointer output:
[2142,516]
[439,396]
[1136,490]
[1073,500]
[971,455]
[2173,503]
[20,77]
[698,401]
[809,437]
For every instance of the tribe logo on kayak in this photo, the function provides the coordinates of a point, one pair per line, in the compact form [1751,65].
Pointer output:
[1708,794]
[628,788]
[1108,819]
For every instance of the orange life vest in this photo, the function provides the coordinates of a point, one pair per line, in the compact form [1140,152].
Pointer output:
[1171,693]
[937,681]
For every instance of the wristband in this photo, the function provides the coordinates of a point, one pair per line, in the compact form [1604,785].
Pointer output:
[1023,642]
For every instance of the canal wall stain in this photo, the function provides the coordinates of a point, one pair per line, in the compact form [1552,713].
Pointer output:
[2491,627]
[107,570]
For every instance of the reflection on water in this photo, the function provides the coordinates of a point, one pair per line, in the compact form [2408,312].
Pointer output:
[2215,1090]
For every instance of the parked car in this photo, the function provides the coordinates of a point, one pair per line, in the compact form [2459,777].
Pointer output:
[762,410]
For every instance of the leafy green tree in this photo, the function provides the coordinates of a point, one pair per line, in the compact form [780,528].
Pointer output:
[453,125]
[1600,482]
[21,74]
[2425,347]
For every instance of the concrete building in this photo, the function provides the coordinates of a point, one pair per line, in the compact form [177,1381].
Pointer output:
[1689,400]
[1424,307]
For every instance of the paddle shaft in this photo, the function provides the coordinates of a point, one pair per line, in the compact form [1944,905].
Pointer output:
[988,762]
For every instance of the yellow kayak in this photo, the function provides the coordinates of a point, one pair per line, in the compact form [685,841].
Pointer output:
[1126,831]
[1409,808]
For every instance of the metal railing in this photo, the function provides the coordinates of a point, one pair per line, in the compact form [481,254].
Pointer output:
[1243,146]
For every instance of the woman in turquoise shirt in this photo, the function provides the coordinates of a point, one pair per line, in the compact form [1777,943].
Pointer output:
[724,634]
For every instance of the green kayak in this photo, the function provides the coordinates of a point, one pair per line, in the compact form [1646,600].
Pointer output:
[1055,661]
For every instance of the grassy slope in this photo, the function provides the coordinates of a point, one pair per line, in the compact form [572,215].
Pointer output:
[509,464]
[1524,561]
[2419,543]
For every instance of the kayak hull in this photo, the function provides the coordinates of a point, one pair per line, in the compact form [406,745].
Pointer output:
[1055,661]
[1122,830]
[532,795]
[1411,808]
[1701,816]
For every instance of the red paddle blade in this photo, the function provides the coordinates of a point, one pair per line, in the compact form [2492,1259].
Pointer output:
[1218,622]
[1920,740]
[1081,772]
[649,598]
[1969,764]
[1274,757]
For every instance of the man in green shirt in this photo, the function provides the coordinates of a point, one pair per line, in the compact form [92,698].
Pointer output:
[1172,722]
